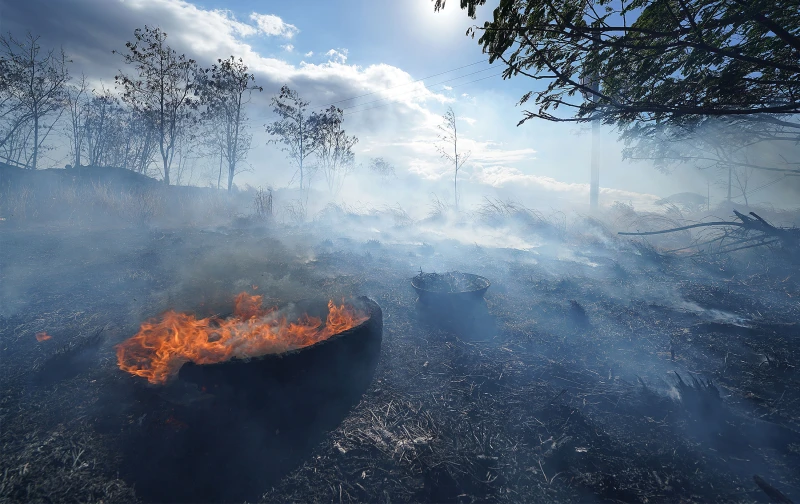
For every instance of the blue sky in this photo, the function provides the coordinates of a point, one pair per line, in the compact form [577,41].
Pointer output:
[406,33]
[335,50]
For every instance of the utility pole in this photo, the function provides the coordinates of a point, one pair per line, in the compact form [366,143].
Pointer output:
[594,186]
[730,181]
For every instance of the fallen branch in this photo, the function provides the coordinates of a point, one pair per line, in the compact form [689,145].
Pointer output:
[774,494]
[683,228]
[752,231]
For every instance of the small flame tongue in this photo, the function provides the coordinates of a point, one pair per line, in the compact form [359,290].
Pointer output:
[162,346]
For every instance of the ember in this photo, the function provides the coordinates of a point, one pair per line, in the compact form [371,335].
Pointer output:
[162,346]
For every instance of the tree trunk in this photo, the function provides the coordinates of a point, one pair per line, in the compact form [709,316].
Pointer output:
[35,141]
[455,187]
[302,149]
[166,172]
[455,152]
[594,181]
[76,133]
[231,167]
[219,175]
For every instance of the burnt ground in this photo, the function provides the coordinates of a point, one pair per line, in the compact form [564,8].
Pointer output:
[594,372]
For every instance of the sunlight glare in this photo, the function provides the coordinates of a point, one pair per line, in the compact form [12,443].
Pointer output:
[447,22]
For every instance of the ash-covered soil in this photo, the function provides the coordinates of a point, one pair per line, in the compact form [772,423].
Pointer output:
[594,372]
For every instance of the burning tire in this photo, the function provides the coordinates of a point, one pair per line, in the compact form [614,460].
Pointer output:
[226,431]
[332,362]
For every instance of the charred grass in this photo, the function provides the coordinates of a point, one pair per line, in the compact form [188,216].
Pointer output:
[614,376]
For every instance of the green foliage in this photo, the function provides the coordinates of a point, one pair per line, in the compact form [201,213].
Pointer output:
[655,60]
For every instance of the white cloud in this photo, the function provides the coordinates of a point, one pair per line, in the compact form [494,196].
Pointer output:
[272,25]
[235,26]
[428,169]
[448,88]
[401,124]
[337,55]
[504,176]
[288,47]
[309,54]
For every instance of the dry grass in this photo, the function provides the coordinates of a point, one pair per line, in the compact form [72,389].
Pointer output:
[499,213]
[262,203]
[86,205]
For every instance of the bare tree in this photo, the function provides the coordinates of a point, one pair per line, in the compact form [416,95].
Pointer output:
[163,90]
[141,141]
[101,124]
[188,152]
[334,147]
[743,176]
[10,76]
[448,138]
[77,101]
[294,130]
[226,93]
[33,93]
[381,168]
[735,148]
[12,115]
[211,144]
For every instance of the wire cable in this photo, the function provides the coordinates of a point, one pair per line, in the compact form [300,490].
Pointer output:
[765,185]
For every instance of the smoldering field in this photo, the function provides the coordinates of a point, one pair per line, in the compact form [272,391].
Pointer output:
[598,369]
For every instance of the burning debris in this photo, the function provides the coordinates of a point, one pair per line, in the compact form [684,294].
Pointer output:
[162,346]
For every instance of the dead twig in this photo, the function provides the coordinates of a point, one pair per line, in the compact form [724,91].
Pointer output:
[683,228]
[773,493]
[752,231]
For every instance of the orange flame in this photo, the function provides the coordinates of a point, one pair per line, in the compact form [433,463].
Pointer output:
[161,347]
[42,336]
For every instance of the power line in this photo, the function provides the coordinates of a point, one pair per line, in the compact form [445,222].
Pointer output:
[406,84]
[391,102]
[417,91]
[766,185]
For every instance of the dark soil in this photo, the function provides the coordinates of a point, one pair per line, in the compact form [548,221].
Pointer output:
[607,377]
